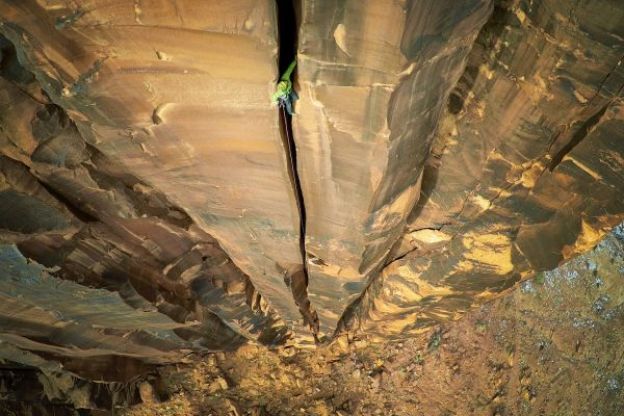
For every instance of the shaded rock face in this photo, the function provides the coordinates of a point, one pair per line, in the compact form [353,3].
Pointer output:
[152,204]
[94,231]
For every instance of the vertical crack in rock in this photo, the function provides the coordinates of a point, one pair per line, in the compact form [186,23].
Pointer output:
[298,280]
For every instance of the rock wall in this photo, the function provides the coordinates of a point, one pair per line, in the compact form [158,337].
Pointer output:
[374,79]
[166,92]
[91,227]
[439,163]
[526,174]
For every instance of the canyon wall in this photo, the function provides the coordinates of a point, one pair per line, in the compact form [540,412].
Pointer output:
[149,205]
[374,79]
[526,171]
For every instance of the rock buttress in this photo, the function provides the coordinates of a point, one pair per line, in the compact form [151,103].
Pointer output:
[373,78]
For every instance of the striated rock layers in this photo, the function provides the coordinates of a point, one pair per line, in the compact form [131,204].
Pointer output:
[527,171]
[149,199]
[374,79]
[89,107]
[165,91]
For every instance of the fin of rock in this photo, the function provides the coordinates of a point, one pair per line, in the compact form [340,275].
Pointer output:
[374,78]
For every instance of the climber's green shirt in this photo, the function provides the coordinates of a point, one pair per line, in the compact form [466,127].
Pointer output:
[284,94]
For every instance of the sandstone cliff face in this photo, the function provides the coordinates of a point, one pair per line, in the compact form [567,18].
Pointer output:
[374,79]
[145,171]
[165,92]
[527,174]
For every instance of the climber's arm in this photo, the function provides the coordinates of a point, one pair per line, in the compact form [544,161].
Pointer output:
[289,70]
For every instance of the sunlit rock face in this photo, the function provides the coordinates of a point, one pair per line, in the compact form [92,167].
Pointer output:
[444,151]
[526,172]
[374,79]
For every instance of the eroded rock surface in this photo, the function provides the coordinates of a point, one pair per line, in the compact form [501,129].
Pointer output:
[165,91]
[526,175]
[374,79]
[444,152]
[553,346]
[92,230]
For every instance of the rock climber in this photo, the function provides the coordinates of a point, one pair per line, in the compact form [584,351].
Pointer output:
[285,95]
